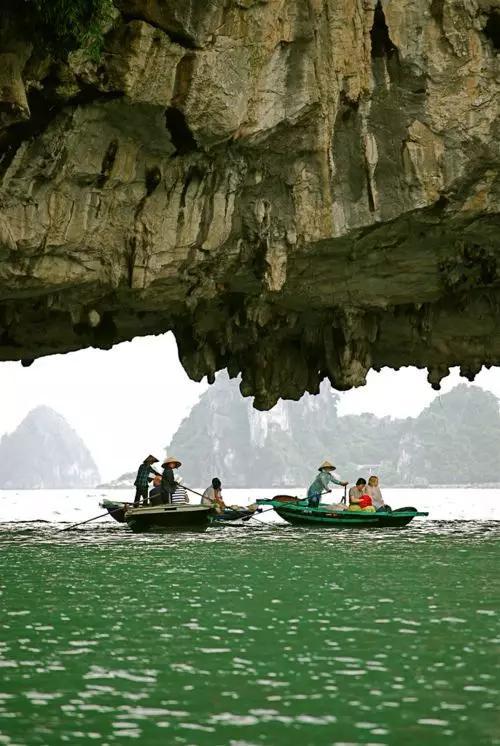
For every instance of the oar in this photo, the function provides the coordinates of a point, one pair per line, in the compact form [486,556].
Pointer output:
[261,512]
[193,491]
[264,523]
[301,499]
[248,518]
[89,520]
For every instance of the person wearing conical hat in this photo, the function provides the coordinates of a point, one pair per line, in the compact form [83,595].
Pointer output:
[168,483]
[322,483]
[143,478]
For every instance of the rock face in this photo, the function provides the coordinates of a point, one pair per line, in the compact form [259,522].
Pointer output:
[456,440]
[297,188]
[45,453]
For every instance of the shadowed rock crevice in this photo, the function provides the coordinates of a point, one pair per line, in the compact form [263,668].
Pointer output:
[437,7]
[492,29]
[180,134]
[153,178]
[381,44]
[107,163]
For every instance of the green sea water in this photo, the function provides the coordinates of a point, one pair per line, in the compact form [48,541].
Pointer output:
[270,635]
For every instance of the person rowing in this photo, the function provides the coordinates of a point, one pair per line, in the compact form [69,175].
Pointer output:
[323,482]
[168,484]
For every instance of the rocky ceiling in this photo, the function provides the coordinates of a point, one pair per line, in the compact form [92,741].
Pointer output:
[296,188]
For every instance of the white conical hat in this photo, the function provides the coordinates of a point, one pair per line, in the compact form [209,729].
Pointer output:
[172,460]
[327,465]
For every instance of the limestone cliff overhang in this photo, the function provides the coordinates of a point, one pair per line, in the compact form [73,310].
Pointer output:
[297,189]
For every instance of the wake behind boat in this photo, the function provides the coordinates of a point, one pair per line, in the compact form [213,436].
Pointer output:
[299,513]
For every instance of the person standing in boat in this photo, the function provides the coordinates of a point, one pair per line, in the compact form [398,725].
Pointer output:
[212,497]
[168,484]
[143,478]
[323,483]
[373,490]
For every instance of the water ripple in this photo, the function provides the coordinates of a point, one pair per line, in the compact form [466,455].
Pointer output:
[251,635]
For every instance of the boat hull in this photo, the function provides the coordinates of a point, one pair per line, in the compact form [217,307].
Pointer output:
[347,520]
[168,518]
[297,513]
[116,510]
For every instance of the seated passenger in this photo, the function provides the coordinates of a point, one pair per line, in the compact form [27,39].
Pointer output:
[323,483]
[358,499]
[356,491]
[212,497]
[180,496]
[373,490]
[155,491]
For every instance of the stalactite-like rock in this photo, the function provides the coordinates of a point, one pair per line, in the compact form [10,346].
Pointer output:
[296,189]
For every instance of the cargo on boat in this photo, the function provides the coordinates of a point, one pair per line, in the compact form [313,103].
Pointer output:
[298,513]
[234,513]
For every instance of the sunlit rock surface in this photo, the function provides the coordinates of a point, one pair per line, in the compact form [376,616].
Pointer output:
[296,189]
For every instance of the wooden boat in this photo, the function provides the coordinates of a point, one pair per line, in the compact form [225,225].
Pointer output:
[298,513]
[169,516]
[115,509]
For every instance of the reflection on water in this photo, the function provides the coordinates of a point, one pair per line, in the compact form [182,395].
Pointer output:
[268,634]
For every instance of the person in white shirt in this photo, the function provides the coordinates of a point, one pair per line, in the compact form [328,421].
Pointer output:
[212,497]
[373,490]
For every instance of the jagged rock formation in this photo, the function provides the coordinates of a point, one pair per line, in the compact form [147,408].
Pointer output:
[455,440]
[44,452]
[123,482]
[297,188]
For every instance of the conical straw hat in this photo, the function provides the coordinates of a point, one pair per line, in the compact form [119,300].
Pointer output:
[327,465]
[172,460]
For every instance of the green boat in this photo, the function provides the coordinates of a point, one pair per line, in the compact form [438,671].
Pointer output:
[297,512]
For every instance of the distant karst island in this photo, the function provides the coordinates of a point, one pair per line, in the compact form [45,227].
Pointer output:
[44,452]
[453,441]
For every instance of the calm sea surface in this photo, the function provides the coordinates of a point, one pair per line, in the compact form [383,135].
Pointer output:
[264,634]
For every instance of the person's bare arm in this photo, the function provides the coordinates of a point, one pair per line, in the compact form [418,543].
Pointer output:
[354,498]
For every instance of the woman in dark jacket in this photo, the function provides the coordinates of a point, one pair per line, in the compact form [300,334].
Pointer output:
[168,483]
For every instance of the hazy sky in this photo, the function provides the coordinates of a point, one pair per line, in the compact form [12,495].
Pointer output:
[128,401]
